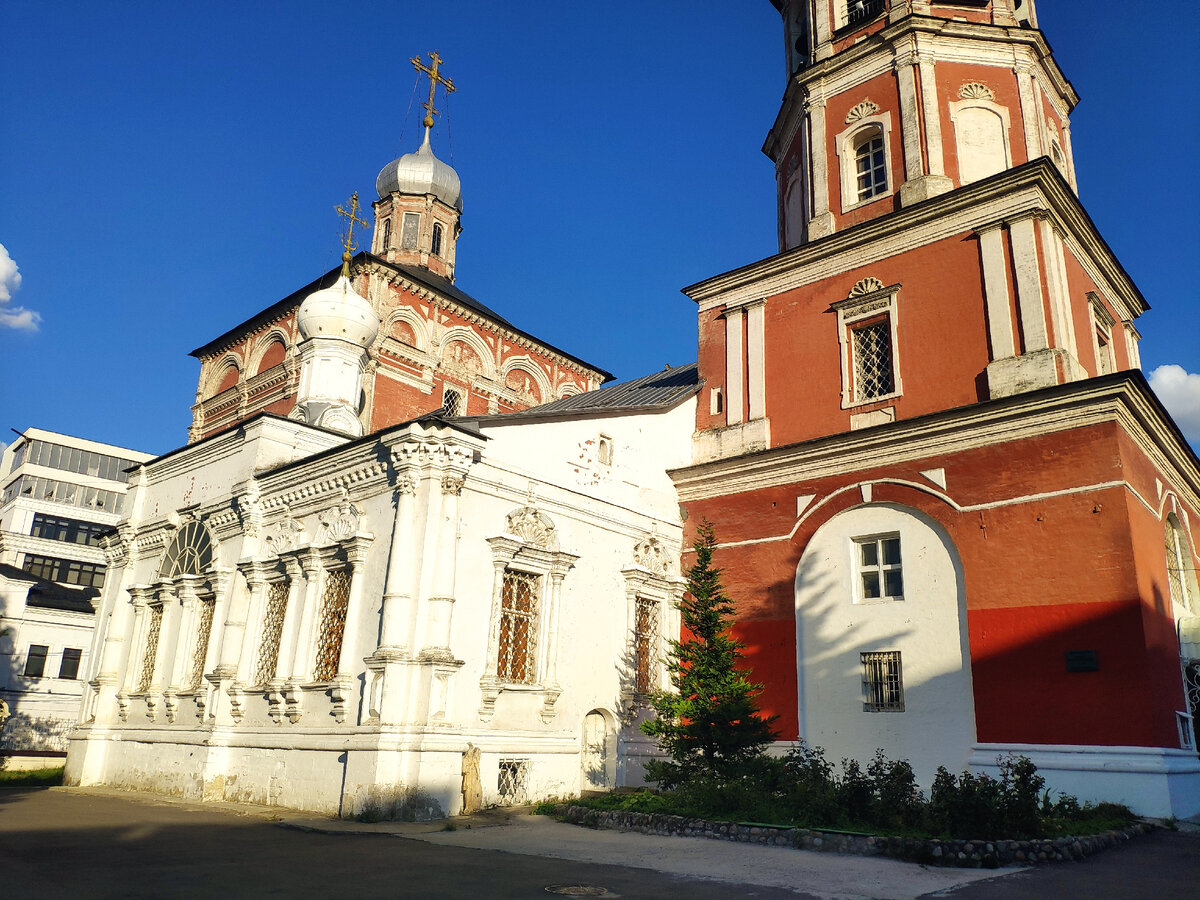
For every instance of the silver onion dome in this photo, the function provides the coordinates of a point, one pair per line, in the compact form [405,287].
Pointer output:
[421,173]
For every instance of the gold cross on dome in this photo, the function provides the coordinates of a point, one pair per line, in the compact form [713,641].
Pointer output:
[351,216]
[435,79]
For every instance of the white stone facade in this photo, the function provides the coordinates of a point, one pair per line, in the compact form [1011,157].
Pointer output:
[345,632]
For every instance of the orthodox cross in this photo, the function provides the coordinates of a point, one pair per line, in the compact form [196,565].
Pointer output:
[435,79]
[351,216]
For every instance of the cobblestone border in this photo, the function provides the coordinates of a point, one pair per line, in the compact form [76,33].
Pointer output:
[962,854]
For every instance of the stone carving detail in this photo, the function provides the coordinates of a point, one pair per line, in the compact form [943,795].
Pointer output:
[461,359]
[867,286]
[472,787]
[406,484]
[976,91]
[453,484]
[532,527]
[861,111]
[652,554]
[250,513]
[339,523]
[287,534]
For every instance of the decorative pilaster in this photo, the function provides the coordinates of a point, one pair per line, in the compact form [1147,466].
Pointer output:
[441,603]
[1030,119]
[355,549]
[820,223]
[735,366]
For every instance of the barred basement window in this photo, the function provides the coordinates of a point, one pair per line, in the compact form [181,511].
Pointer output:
[203,633]
[151,652]
[333,625]
[872,352]
[517,662]
[513,782]
[268,646]
[645,647]
[883,685]
[880,576]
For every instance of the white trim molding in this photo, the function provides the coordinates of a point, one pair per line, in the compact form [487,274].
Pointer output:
[844,146]
[868,299]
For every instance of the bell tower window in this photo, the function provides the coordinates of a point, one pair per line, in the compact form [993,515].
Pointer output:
[436,247]
[870,166]
[386,240]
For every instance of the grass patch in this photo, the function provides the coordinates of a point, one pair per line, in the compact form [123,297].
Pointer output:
[33,778]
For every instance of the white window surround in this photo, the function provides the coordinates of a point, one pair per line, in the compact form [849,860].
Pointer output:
[1103,324]
[1132,336]
[529,545]
[957,109]
[869,299]
[846,145]
[651,578]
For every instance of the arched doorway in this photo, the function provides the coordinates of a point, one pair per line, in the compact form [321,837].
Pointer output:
[599,756]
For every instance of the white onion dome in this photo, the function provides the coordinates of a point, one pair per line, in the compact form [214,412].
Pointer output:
[421,173]
[338,312]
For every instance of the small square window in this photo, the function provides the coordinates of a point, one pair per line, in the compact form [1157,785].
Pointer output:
[883,682]
[35,662]
[69,667]
[880,572]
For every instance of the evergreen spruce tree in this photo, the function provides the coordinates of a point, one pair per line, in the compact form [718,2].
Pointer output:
[710,724]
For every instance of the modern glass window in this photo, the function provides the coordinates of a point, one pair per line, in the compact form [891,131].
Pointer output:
[39,488]
[883,682]
[517,661]
[73,459]
[871,346]
[880,572]
[870,166]
[70,531]
[35,662]
[69,667]
[64,571]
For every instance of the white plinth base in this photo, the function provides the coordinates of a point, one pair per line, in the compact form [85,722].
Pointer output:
[1152,781]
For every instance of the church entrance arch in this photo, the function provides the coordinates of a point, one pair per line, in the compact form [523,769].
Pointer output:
[599,757]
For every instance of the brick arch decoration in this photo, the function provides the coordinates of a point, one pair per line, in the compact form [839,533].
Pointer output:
[269,350]
[466,336]
[403,316]
[226,372]
[523,364]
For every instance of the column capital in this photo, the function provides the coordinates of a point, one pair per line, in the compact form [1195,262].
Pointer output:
[452,483]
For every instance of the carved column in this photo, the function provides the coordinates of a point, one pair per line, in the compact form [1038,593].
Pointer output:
[932,113]
[291,617]
[441,603]
[823,29]
[300,670]
[139,599]
[169,615]
[113,627]
[397,596]
[239,642]
[1069,152]
[356,555]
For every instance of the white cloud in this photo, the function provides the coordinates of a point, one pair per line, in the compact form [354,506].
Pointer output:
[1179,390]
[10,283]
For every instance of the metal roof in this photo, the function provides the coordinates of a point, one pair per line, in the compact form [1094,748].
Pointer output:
[659,390]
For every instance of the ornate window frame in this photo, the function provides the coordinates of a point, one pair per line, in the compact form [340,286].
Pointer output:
[529,544]
[869,299]
[653,577]
[865,122]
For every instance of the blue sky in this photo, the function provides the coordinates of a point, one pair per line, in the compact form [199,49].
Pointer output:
[167,170]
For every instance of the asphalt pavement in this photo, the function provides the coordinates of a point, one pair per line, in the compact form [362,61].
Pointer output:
[76,843]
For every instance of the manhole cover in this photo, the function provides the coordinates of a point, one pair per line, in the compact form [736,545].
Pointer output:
[577,890]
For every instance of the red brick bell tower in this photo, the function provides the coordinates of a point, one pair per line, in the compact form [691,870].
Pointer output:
[941,482]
